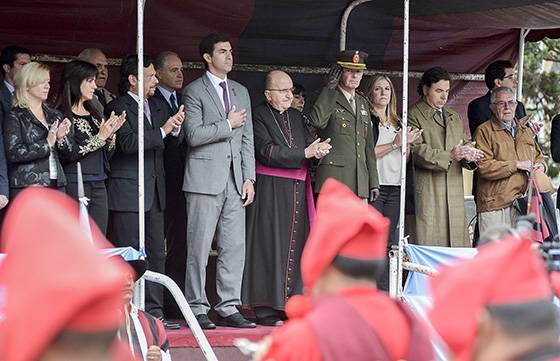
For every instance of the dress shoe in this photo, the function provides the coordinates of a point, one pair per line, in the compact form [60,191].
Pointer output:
[170,325]
[235,320]
[205,322]
[270,321]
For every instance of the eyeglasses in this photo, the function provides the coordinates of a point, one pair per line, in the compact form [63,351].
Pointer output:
[502,103]
[512,76]
[282,91]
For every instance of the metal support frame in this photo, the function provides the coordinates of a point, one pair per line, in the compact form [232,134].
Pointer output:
[344,21]
[140,293]
[185,310]
[521,60]
[260,68]
[393,269]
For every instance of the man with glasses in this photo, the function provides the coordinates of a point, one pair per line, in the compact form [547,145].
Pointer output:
[97,58]
[278,222]
[342,115]
[498,74]
[510,154]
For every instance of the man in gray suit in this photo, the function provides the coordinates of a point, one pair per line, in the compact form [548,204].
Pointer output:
[218,182]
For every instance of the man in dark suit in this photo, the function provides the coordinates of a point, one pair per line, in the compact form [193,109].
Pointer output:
[498,74]
[12,59]
[218,182]
[169,71]
[122,185]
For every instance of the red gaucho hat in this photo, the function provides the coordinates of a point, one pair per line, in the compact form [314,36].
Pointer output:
[53,278]
[504,273]
[344,225]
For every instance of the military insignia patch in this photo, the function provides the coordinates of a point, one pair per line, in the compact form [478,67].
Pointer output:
[356,57]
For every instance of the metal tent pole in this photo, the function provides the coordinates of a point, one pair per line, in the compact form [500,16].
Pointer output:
[521,60]
[403,145]
[140,297]
[344,21]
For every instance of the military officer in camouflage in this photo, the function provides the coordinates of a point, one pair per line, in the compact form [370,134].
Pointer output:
[343,115]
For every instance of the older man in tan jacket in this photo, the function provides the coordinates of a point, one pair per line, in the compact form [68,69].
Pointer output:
[510,154]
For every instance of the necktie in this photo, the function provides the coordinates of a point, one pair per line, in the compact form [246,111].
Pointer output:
[173,102]
[353,103]
[440,115]
[225,96]
[147,112]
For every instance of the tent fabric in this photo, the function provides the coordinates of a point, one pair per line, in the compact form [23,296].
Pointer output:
[304,32]
[462,36]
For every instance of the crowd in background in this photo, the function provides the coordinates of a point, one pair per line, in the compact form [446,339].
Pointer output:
[221,170]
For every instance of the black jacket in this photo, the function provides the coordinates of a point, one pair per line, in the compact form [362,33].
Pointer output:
[27,151]
[92,153]
[122,185]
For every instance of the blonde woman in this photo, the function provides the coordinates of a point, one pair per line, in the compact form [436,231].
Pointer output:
[386,128]
[34,134]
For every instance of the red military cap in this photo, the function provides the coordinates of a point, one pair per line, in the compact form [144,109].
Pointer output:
[53,278]
[504,273]
[344,225]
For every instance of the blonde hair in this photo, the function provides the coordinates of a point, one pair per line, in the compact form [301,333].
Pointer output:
[391,110]
[30,75]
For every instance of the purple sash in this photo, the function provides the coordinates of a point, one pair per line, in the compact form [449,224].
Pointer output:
[298,174]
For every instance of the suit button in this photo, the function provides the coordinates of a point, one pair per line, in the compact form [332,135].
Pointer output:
[330,162]
[358,156]
[344,125]
[358,144]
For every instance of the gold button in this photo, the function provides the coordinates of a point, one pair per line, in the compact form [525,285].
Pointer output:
[358,156]
[343,125]
[358,144]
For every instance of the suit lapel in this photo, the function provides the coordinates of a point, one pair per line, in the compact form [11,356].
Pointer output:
[133,106]
[213,95]
[344,102]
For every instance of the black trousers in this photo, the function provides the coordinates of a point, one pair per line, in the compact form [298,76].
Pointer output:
[97,207]
[123,232]
[388,204]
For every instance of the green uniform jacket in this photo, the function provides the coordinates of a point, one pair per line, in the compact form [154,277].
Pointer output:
[440,210]
[352,157]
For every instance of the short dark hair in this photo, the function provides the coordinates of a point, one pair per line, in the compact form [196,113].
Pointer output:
[159,62]
[69,92]
[206,46]
[527,319]
[432,76]
[299,90]
[9,55]
[357,268]
[129,66]
[496,70]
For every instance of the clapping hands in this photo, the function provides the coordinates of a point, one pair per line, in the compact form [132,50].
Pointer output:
[466,152]
[318,149]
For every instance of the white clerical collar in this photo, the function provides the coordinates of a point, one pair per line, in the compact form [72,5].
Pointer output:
[10,87]
[214,79]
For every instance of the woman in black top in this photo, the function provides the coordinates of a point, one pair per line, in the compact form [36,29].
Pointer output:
[93,136]
[34,134]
